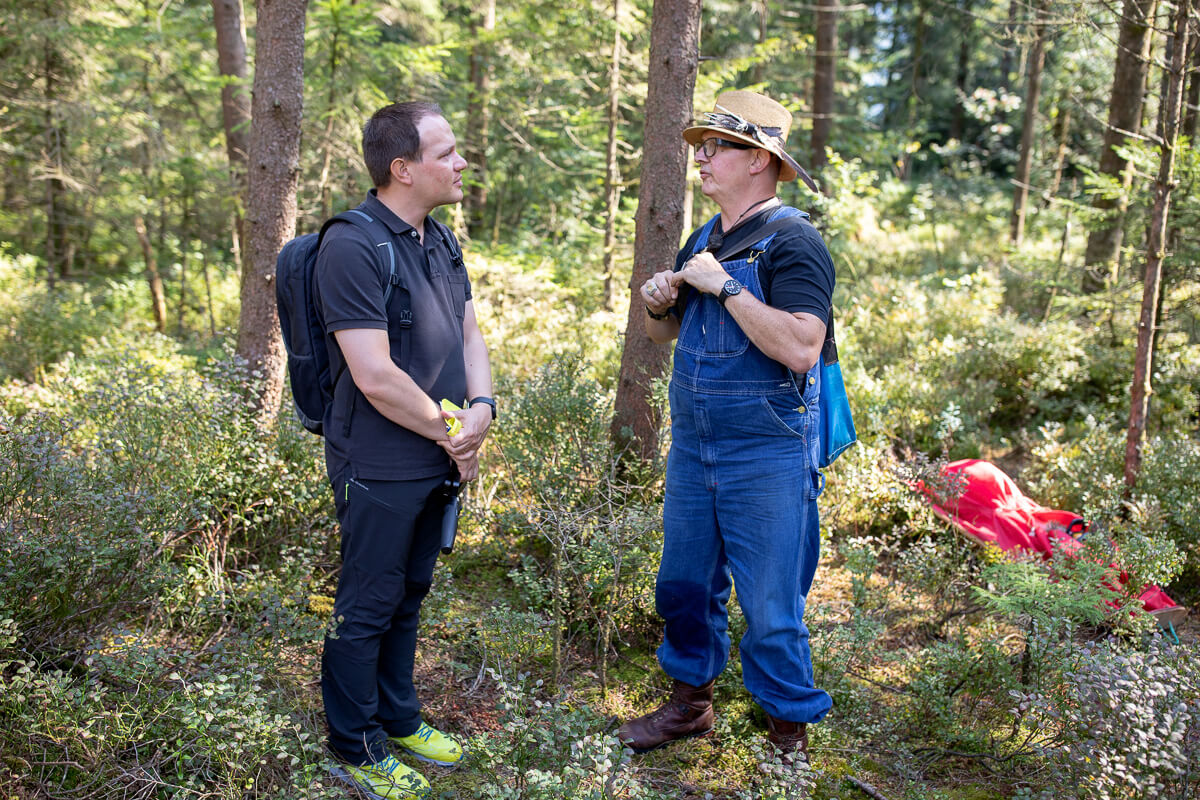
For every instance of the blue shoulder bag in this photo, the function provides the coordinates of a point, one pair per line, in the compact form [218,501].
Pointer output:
[837,421]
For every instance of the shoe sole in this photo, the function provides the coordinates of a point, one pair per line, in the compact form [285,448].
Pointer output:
[446,765]
[698,735]
[343,775]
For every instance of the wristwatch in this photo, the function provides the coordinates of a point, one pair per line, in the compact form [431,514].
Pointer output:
[731,287]
[654,315]
[481,399]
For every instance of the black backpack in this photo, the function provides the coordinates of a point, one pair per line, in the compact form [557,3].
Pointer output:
[301,323]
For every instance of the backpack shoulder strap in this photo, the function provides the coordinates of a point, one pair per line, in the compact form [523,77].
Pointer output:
[449,239]
[381,236]
[385,247]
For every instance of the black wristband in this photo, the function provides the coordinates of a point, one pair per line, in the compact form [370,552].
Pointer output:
[482,399]
[664,315]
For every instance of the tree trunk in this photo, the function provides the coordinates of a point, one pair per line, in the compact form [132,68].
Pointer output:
[674,58]
[824,77]
[962,72]
[479,116]
[274,160]
[1155,253]
[324,190]
[1062,134]
[158,300]
[235,107]
[1192,110]
[184,246]
[762,10]
[612,170]
[1006,60]
[1033,88]
[1124,119]
[918,55]
[54,135]
[212,317]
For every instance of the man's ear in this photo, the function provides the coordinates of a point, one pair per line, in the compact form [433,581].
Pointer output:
[762,159]
[399,170]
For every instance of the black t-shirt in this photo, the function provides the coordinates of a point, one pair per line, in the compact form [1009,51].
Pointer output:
[796,271]
[350,280]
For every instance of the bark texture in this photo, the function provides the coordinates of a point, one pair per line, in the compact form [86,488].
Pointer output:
[824,77]
[612,171]
[1155,253]
[479,117]
[1033,90]
[274,160]
[230,25]
[1124,119]
[674,58]
[158,300]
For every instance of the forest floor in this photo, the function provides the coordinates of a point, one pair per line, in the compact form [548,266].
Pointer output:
[460,697]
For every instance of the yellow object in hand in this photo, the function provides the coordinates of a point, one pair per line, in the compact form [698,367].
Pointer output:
[453,426]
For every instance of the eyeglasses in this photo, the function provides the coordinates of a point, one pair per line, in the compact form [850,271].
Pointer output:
[709,146]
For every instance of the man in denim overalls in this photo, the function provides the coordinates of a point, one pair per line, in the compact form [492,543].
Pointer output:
[742,480]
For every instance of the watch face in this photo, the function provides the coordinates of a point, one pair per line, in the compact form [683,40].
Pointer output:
[732,287]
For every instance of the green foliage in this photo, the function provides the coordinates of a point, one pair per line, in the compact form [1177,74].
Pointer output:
[139,722]
[560,476]
[39,326]
[553,438]
[135,513]
[1155,527]
[77,552]
[547,749]
[1122,724]
[959,691]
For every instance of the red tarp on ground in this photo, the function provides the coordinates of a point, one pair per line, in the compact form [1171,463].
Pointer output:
[992,510]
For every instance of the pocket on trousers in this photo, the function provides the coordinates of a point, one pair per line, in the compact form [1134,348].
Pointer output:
[786,414]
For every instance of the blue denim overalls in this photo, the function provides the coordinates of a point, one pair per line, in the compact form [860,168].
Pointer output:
[741,492]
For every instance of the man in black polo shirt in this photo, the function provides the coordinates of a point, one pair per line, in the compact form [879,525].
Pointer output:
[387,450]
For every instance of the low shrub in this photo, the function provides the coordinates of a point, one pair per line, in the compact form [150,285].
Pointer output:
[549,750]
[78,549]
[1156,524]
[1122,723]
[134,723]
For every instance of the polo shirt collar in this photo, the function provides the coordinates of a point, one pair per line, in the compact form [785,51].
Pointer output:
[394,223]
[385,214]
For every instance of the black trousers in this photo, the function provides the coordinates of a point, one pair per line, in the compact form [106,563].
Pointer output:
[390,540]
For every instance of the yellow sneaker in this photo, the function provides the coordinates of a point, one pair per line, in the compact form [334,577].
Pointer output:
[432,746]
[387,780]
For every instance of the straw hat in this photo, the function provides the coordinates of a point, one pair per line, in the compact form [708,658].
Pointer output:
[756,120]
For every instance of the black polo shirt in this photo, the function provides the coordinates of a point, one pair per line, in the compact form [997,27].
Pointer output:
[350,280]
[796,271]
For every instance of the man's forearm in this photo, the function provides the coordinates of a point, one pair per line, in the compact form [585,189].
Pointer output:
[388,388]
[793,341]
[398,398]
[662,331]
[479,368]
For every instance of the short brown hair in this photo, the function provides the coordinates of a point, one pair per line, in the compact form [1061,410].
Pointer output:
[391,133]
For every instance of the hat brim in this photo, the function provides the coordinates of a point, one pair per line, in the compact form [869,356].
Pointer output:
[789,168]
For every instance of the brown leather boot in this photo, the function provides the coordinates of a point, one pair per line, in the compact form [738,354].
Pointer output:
[688,712]
[789,737]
